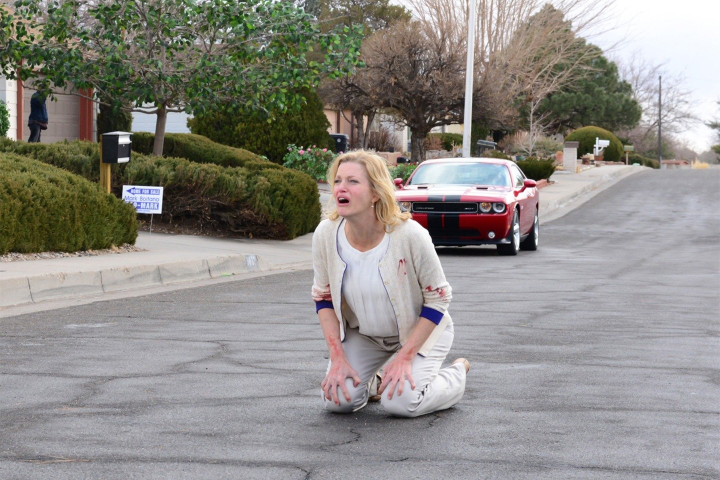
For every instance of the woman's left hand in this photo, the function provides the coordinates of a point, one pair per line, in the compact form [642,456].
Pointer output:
[396,373]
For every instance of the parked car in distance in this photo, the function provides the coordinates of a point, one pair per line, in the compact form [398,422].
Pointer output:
[473,201]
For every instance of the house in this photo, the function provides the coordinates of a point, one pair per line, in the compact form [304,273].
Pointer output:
[676,164]
[71,116]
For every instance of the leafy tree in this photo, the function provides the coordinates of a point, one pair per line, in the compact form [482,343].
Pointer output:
[175,55]
[305,126]
[599,98]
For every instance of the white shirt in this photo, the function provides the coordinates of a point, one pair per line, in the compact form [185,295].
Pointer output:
[364,291]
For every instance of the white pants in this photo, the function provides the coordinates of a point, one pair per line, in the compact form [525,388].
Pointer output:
[435,388]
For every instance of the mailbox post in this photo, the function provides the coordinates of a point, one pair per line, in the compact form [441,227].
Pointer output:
[600,146]
[115,147]
[628,148]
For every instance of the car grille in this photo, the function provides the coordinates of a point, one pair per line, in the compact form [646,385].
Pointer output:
[445,207]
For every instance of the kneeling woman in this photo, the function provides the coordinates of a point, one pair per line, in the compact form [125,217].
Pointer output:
[380,292]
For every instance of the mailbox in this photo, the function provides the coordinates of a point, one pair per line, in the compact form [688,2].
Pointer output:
[116,147]
[341,142]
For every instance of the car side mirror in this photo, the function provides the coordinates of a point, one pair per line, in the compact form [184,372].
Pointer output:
[398,182]
[529,183]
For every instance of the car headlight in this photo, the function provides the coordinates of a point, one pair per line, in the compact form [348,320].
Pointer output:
[405,206]
[498,207]
[485,207]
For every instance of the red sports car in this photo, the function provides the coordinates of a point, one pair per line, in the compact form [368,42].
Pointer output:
[473,201]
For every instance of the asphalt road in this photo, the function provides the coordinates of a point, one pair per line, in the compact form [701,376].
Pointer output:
[596,357]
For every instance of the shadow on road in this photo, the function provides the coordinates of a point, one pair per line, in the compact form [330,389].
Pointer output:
[484,251]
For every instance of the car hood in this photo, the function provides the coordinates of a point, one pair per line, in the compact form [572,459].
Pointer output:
[468,193]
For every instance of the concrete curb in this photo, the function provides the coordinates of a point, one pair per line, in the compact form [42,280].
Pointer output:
[53,286]
[599,184]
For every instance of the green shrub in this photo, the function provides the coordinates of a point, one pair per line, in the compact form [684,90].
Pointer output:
[634,157]
[586,136]
[200,149]
[305,126]
[4,119]
[495,154]
[43,208]
[312,161]
[273,202]
[403,170]
[448,140]
[537,169]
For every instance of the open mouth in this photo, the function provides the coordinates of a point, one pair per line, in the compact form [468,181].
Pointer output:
[342,201]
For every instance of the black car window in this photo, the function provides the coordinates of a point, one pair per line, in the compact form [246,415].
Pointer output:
[461,174]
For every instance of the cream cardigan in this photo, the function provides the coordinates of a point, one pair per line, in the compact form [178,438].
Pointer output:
[410,269]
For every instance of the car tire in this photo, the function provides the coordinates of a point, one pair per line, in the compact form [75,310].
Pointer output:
[509,249]
[531,242]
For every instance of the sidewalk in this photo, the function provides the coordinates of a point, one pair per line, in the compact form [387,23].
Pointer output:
[176,260]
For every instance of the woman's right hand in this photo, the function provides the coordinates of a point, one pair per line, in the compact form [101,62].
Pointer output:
[339,371]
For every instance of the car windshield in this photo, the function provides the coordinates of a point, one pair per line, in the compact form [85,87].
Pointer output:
[462,174]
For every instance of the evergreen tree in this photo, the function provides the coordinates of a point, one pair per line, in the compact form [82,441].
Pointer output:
[268,136]
[598,98]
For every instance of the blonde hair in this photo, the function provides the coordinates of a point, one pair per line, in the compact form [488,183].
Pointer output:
[386,208]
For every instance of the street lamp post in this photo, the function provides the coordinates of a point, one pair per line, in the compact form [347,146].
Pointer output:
[469,76]
[660,122]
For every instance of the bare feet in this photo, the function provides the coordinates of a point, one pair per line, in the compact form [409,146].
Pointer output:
[373,388]
[463,361]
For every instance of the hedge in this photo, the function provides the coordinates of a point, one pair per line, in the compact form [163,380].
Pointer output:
[634,157]
[271,202]
[43,208]
[537,169]
[587,135]
[202,150]
[495,154]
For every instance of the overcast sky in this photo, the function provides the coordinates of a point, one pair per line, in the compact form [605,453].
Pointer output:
[683,34]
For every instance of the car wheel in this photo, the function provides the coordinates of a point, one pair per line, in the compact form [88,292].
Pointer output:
[514,237]
[531,242]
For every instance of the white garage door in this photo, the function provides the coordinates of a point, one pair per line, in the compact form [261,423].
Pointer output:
[176,122]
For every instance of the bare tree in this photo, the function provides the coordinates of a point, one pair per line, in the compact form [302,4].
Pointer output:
[677,103]
[548,56]
[416,72]
[347,93]
[525,50]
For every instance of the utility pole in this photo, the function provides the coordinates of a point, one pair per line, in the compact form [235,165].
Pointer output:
[469,76]
[660,122]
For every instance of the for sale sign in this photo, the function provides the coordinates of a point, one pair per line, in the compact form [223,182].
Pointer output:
[145,199]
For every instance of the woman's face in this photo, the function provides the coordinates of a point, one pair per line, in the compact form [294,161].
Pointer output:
[352,192]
